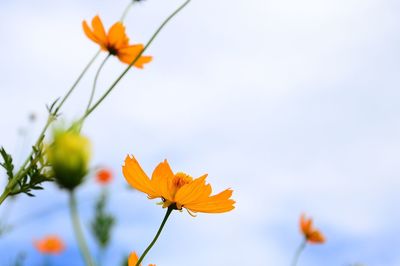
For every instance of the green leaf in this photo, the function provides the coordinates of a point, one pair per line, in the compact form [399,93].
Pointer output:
[7,163]
[35,173]
[103,222]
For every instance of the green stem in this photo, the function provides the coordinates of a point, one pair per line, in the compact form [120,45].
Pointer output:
[77,81]
[169,210]
[8,189]
[95,81]
[52,116]
[78,231]
[50,119]
[4,195]
[298,252]
[134,61]
[126,11]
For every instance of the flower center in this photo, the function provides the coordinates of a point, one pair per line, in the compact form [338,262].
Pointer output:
[112,50]
[181,179]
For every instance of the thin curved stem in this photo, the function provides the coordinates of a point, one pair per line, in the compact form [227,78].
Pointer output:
[78,231]
[298,252]
[52,116]
[50,119]
[101,99]
[169,210]
[95,81]
[77,81]
[126,11]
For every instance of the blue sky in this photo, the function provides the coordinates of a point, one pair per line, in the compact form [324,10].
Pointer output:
[293,104]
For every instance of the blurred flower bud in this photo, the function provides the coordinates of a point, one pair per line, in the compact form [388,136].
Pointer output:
[32,117]
[51,244]
[104,176]
[69,156]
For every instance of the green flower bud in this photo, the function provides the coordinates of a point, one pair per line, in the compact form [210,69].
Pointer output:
[69,156]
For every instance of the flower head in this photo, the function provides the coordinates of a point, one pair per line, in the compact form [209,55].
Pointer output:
[133,259]
[104,176]
[115,41]
[69,156]
[177,190]
[311,234]
[49,245]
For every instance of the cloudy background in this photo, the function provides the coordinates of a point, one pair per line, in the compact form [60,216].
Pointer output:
[293,104]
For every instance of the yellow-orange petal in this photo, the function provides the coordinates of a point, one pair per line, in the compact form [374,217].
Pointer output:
[97,34]
[143,60]
[316,237]
[132,50]
[98,30]
[137,178]
[129,53]
[88,32]
[117,38]
[305,224]
[194,191]
[133,259]
[212,208]
[218,203]
[311,234]
[161,178]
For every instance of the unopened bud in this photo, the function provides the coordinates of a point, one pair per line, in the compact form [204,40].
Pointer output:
[69,156]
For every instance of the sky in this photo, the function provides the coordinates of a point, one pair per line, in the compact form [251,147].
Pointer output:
[292,104]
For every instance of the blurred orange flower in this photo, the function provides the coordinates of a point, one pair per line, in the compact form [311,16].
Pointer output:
[177,190]
[116,42]
[51,244]
[133,259]
[311,234]
[104,176]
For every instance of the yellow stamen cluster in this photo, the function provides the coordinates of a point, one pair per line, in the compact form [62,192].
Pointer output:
[181,179]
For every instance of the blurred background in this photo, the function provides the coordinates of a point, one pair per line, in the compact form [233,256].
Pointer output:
[292,104]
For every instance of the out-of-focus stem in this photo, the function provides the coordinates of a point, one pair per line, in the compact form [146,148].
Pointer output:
[126,11]
[298,252]
[77,81]
[95,81]
[78,231]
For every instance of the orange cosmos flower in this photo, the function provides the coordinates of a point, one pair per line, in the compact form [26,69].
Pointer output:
[104,176]
[133,259]
[311,234]
[49,245]
[177,190]
[115,41]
